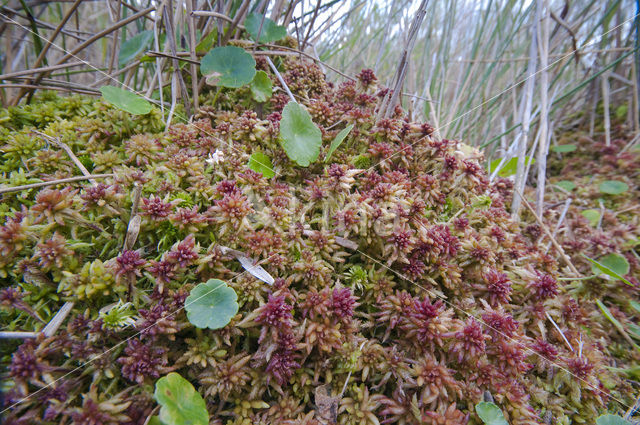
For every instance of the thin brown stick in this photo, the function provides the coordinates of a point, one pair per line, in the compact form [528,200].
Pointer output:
[192,50]
[116,37]
[87,43]
[543,145]
[37,70]
[388,103]
[113,76]
[215,15]
[41,87]
[4,190]
[59,28]
[544,227]
[43,24]
[526,105]
[69,152]
[310,25]
[102,33]
[236,21]
[177,74]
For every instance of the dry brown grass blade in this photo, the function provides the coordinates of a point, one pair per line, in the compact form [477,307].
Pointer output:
[389,101]
[553,240]
[240,14]
[192,50]
[38,70]
[115,10]
[87,43]
[177,74]
[543,146]
[44,87]
[105,32]
[59,28]
[46,25]
[526,106]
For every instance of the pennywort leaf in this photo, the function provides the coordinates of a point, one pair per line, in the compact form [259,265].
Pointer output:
[600,267]
[613,187]
[566,185]
[180,403]
[261,163]
[592,215]
[134,46]
[269,32]
[611,420]
[490,414]
[211,305]
[261,87]
[228,66]
[299,136]
[126,100]
[337,141]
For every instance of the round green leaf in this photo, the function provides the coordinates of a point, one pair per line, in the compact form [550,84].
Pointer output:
[613,187]
[228,66]
[261,163]
[299,136]
[490,414]
[605,263]
[211,304]
[270,31]
[564,148]
[180,403]
[611,420]
[338,141]
[261,87]
[131,48]
[126,100]
[615,262]
[621,111]
[566,185]
[592,215]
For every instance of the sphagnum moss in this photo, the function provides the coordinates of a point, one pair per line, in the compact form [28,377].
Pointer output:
[390,321]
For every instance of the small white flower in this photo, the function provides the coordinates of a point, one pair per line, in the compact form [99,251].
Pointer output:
[215,158]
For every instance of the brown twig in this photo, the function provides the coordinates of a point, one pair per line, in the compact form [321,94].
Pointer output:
[102,33]
[41,87]
[53,182]
[112,77]
[116,35]
[192,50]
[177,74]
[388,103]
[84,45]
[59,28]
[236,21]
[37,70]
[564,256]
